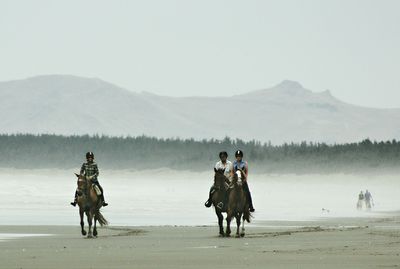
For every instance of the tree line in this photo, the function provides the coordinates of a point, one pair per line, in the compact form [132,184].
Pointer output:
[27,151]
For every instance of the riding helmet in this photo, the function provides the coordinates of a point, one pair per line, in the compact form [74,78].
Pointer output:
[239,153]
[89,155]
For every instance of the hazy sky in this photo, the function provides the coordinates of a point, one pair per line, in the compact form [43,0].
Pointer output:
[210,47]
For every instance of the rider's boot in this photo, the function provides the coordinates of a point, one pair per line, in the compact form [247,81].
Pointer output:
[209,201]
[104,201]
[102,195]
[251,208]
[75,199]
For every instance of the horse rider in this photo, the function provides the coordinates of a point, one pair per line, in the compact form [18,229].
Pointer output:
[222,164]
[90,170]
[239,164]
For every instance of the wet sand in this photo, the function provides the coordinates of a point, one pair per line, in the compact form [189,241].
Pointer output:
[327,243]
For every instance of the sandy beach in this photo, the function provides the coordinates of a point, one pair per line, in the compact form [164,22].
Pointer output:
[307,221]
[326,243]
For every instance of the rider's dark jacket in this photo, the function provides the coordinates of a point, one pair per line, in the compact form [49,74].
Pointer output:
[89,169]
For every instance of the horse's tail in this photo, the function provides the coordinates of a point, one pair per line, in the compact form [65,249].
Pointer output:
[247,215]
[100,218]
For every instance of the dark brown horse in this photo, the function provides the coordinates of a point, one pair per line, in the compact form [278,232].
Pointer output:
[90,204]
[238,205]
[219,197]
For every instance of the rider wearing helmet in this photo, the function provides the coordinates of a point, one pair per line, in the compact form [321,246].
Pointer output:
[223,164]
[90,170]
[239,164]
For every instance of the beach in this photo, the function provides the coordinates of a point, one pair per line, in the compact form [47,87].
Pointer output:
[158,220]
[327,243]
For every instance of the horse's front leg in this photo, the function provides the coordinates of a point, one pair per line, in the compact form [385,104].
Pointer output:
[94,226]
[81,212]
[238,217]
[228,224]
[242,233]
[89,219]
[220,221]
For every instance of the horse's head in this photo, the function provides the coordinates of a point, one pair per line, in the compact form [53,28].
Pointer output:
[219,177]
[81,181]
[238,178]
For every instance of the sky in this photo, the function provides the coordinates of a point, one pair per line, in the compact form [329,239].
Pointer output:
[210,47]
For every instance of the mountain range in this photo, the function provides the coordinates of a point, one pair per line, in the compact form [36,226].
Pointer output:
[287,112]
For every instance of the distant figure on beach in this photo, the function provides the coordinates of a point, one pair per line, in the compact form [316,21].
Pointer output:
[325,210]
[360,200]
[225,165]
[368,200]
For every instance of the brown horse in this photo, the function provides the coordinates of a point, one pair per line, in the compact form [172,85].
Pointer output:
[238,205]
[219,196]
[90,204]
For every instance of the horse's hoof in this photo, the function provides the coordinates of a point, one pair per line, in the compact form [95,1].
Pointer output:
[94,233]
[83,233]
[242,235]
[90,236]
[221,235]
[228,235]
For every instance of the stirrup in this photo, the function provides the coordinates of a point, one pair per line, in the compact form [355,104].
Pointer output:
[220,205]
[73,204]
[104,204]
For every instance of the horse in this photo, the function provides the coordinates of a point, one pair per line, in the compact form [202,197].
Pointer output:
[90,204]
[238,205]
[219,196]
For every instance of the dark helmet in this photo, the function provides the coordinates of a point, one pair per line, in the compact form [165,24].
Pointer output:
[89,155]
[239,153]
[223,153]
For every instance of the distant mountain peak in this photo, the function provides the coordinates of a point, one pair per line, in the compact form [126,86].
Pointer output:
[290,87]
[50,84]
[289,84]
[286,87]
[327,93]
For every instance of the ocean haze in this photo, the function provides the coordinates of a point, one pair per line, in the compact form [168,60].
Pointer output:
[158,197]
[287,112]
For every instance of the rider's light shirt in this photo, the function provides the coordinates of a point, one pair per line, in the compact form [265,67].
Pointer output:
[90,169]
[227,167]
[367,196]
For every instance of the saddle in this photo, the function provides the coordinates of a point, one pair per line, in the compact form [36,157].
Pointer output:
[96,189]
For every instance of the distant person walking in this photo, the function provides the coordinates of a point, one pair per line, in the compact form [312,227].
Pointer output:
[368,200]
[360,200]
